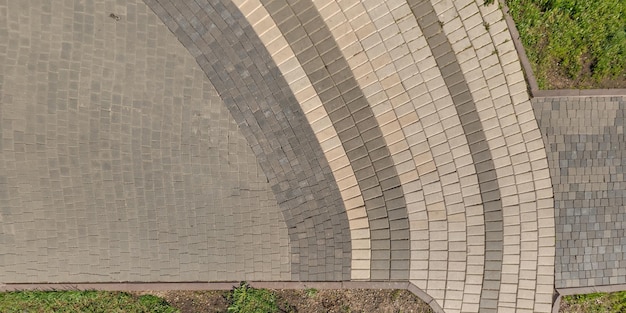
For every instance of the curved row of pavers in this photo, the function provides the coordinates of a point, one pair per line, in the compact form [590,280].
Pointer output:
[380,205]
[272,121]
[528,219]
[422,116]
[525,297]
[421,162]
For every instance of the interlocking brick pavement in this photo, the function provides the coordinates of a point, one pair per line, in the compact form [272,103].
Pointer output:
[185,140]
[358,130]
[481,155]
[249,82]
[118,159]
[584,137]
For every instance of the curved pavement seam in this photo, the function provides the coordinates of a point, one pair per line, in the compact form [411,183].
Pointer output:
[477,35]
[367,36]
[295,166]
[348,42]
[317,116]
[506,85]
[349,111]
[466,108]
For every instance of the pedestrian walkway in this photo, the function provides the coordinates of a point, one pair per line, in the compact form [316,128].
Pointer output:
[586,152]
[119,161]
[297,141]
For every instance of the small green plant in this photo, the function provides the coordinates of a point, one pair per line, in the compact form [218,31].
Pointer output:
[245,299]
[345,309]
[486,25]
[287,307]
[155,303]
[311,292]
[396,294]
[488,2]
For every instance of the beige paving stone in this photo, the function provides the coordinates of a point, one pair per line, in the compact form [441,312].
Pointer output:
[354,203]
[494,135]
[360,223]
[360,265]
[358,274]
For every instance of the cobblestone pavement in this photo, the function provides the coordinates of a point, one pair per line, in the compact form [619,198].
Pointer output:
[586,150]
[273,140]
[119,161]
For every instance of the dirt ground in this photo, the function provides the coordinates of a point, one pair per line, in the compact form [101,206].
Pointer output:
[305,301]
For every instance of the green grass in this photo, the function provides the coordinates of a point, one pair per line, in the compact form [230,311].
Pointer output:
[595,303]
[81,301]
[245,299]
[580,41]
[311,292]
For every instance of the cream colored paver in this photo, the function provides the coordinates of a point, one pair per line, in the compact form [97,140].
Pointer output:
[383,109]
[384,22]
[500,86]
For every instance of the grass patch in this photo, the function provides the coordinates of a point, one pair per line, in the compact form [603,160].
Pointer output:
[311,292]
[600,302]
[573,43]
[245,299]
[81,301]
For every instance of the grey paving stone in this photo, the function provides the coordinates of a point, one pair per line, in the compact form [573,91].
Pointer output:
[132,169]
[585,142]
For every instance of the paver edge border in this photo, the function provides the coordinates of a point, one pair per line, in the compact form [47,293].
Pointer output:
[530,76]
[583,290]
[142,286]
[557,304]
[536,93]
